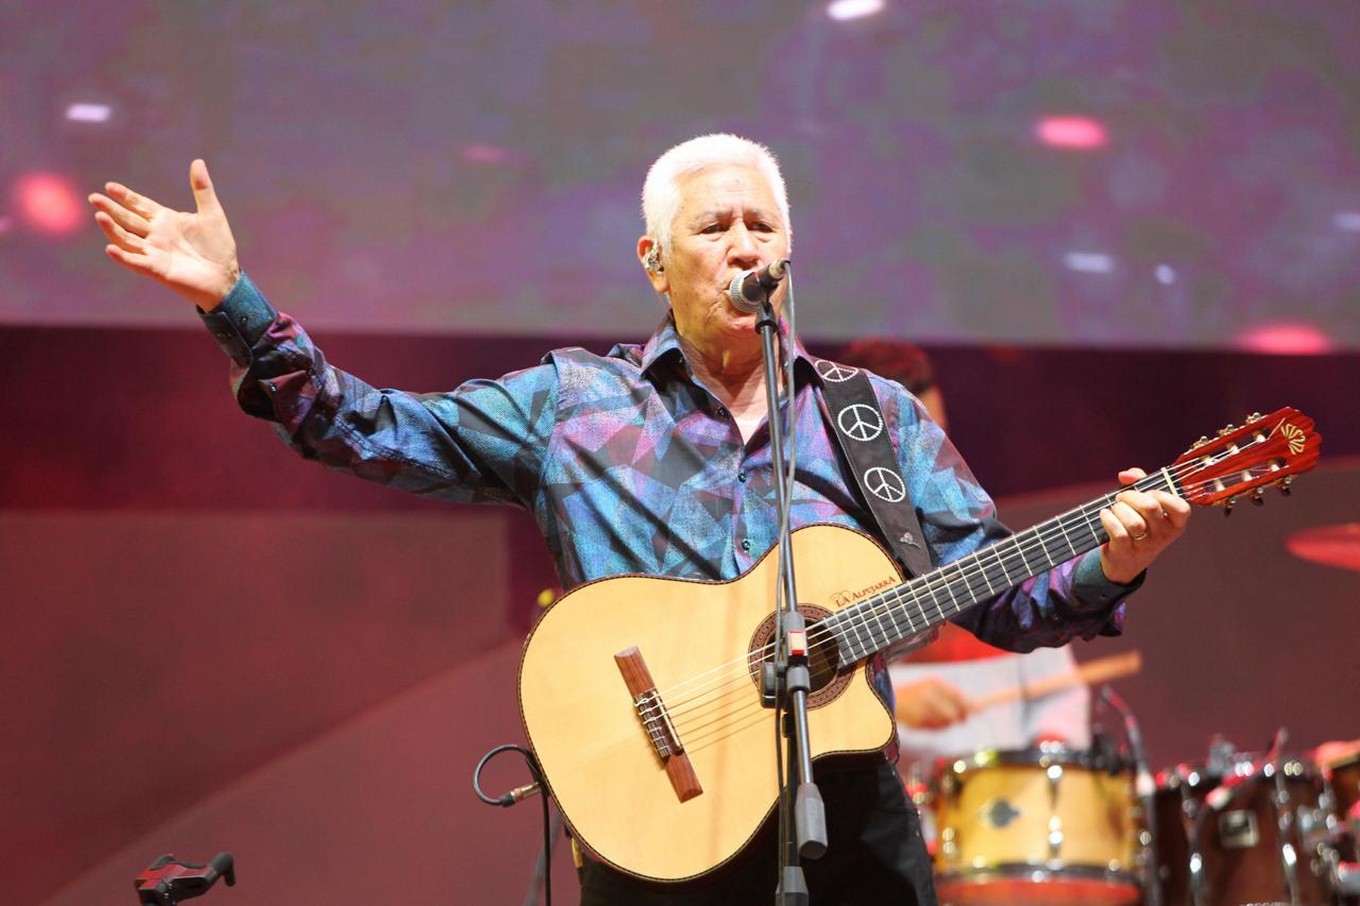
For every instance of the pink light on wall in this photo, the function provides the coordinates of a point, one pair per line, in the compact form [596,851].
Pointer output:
[48,203]
[1286,338]
[1077,133]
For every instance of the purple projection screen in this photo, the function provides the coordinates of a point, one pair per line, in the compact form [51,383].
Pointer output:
[1075,172]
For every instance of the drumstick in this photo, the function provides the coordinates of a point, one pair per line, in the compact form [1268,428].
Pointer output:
[1097,671]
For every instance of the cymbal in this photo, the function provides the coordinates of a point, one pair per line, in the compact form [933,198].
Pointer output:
[1330,545]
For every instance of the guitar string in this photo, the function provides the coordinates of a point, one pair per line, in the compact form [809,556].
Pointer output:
[1020,543]
[678,706]
[818,632]
[892,600]
[818,635]
[1086,516]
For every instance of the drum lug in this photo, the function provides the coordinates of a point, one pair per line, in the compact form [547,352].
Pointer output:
[1054,773]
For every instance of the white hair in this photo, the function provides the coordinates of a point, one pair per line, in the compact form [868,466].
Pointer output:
[661,191]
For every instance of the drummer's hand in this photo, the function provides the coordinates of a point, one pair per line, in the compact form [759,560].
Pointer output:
[930,704]
[1140,525]
[192,253]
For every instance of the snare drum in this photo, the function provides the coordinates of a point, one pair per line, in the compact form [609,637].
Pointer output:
[1258,844]
[1034,826]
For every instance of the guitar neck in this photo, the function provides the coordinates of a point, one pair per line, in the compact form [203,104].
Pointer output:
[923,603]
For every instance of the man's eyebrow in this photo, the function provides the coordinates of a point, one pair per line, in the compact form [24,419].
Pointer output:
[724,212]
[711,214]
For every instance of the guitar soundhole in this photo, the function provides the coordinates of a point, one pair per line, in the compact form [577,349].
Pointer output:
[828,680]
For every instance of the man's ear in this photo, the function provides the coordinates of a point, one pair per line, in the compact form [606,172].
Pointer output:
[649,253]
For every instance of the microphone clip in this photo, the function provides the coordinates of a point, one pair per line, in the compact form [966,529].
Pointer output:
[167,880]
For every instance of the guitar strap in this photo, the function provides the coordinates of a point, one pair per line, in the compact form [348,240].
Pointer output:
[861,430]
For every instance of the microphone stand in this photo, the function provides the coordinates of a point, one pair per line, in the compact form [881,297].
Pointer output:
[805,836]
[1145,787]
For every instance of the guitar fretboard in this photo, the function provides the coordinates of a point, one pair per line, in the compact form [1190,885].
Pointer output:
[917,606]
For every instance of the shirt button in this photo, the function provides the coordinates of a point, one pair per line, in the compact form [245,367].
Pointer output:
[271,387]
[741,476]
[722,410]
[746,545]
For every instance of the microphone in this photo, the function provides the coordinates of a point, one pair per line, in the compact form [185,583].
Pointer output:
[750,288]
[1145,784]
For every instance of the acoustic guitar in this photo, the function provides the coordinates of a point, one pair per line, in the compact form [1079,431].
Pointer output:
[640,695]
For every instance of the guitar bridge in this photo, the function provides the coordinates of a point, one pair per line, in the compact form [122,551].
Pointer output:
[656,720]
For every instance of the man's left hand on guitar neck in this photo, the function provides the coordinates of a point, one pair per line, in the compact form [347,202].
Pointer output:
[1141,524]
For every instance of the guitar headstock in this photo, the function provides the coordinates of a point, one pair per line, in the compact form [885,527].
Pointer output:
[1267,450]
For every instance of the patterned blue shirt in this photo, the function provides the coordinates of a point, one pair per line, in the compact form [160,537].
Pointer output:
[630,465]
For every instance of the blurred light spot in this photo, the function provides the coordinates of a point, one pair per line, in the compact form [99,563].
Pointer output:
[484,154]
[1286,338]
[1166,274]
[1330,545]
[1089,262]
[1077,132]
[88,112]
[6,225]
[1348,221]
[49,203]
[844,10]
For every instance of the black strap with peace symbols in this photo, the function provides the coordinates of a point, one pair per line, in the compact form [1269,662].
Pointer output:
[862,433]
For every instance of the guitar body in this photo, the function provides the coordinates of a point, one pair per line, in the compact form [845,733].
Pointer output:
[695,637]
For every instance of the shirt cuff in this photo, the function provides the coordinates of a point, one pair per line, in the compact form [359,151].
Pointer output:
[1095,593]
[242,318]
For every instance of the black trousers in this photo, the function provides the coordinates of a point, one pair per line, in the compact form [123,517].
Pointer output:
[875,855]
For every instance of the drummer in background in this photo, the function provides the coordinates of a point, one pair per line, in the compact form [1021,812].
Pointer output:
[940,688]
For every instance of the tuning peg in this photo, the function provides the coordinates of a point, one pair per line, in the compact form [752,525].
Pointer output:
[1226,430]
[1254,417]
[1228,506]
[1258,497]
[1284,483]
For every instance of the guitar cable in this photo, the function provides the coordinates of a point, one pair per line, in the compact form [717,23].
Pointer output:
[518,794]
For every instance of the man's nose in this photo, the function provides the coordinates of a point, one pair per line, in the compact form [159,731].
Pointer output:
[743,250]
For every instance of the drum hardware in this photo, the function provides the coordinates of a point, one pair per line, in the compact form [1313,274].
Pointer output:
[1243,829]
[1346,878]
[1340,763]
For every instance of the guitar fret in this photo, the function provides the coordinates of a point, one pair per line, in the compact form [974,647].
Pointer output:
[894,611]
[967,587]
[1008,573]
[880,611]
[1019,542]
[911,624]
[1071,548]
[1048,544]
[933,598]
[949,587]
[982,569]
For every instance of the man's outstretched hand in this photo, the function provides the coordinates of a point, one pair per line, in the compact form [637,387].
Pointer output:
[193,253]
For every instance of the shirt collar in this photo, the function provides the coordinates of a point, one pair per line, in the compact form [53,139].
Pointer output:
[664,346]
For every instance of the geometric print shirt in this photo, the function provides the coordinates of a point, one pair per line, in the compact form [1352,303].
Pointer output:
[630,465]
